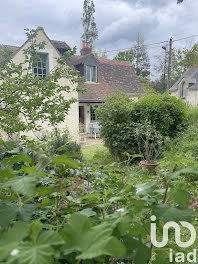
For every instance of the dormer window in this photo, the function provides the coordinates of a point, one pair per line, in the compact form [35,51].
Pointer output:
[91,74]
[41,67]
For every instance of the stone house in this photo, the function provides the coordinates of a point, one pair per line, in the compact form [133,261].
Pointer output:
[187,86]
[102,77]
[53,50]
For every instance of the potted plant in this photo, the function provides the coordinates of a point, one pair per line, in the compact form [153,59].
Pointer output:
[150,143]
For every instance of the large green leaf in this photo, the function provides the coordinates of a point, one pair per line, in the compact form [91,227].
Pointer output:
[188,170]
[23,157]
[136,250]
[50,237]
[25,212]
[11,239]
[41,251]
[180,196]
[63,159]
[23,185]
[6,174]
[34,254]
[90,242]
[7,213]
[88,212]
[166,213]
[146,188]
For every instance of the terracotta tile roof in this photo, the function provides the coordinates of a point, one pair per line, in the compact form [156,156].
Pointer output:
[114,76]
[114,62]
[13,48]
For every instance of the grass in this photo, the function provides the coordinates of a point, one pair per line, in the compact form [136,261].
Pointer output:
[90,151]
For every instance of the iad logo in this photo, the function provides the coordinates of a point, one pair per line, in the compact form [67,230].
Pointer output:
[180,257]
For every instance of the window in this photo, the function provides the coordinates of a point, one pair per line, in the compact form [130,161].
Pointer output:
[183,90]
[91,73]
[93,115]
[41,67]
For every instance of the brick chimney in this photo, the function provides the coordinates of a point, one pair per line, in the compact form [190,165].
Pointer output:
[85,49]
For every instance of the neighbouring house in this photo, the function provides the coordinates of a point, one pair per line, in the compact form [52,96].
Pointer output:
[53,50]
[102,77]
[187,86]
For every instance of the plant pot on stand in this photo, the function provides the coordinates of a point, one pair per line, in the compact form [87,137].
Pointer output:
[149,166]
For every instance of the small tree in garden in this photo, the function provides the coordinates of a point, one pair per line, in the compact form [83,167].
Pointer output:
[26,99]
[150,142]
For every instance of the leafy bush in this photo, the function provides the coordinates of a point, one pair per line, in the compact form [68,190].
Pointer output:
[60,143]
[117,129]
[182,150]
[193,115]
[120,116]
[166,113]
[150,142]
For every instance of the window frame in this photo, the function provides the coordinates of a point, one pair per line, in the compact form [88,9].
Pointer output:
[184,88]
[41,67]
[93,113]
[90,79]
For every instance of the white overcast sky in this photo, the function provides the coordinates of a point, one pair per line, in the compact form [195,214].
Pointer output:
[118,21]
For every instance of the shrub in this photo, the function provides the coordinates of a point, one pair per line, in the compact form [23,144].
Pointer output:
[120,116]
[193,115]
[116,128]
[60,143]
[166,113]
[150,142]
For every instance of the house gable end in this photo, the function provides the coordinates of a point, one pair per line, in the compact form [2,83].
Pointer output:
[49,49]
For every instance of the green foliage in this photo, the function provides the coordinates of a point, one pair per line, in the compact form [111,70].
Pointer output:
[120,118]
[81,214]
[141,58]
[166,113]
[6,56]
[58,142]
[26,99]
[183,150]
[182,59]
[138,56]
[117,130]
[125,56]
[90,33]
[193,115]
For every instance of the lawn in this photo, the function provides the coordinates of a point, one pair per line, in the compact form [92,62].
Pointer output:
[90,151]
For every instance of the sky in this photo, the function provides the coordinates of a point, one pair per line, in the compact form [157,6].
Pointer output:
[118,22]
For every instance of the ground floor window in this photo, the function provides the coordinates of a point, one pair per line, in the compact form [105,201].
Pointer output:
[93,116]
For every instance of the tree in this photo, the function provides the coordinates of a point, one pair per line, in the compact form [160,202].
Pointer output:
[161,67]
[90,33]
[26,99]
[141,58]
[138,56]
[179,1]
[125,56]
[182,59]
[101,55]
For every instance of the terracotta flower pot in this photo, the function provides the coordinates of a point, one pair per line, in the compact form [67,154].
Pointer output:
[149,166]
